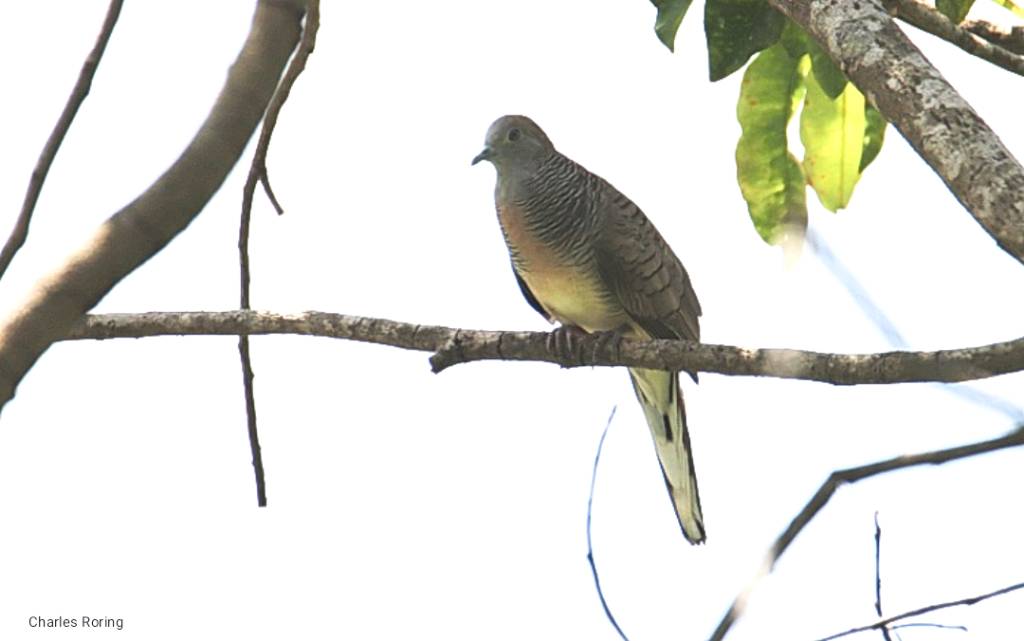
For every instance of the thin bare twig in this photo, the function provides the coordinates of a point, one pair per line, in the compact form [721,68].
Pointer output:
[35,185]
[852,475]
[928,19]
[928,608]
[249,396]
[878,576]
[258,172]
[590,545]
[258,169]
[940,626]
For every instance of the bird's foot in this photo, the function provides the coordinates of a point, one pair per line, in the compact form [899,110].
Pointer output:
[568,342]
[602,340]
[565,342]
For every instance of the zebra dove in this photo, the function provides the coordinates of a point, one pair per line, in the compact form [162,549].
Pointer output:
[586,257]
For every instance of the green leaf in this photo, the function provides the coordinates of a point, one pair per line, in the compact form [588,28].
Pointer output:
[770,179]
[670,16]
[832,132]
[831,80]
[828,75]
[874,134]
[955,10]
[736,30]
[794,39]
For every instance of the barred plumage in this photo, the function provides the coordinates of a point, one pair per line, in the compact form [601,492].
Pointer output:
[586,256]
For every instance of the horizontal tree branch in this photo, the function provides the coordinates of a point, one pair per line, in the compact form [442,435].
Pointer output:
[451,346]
[839,478]
[927,18]
[909,91]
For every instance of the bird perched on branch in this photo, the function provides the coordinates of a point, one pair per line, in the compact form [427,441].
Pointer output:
[586,257]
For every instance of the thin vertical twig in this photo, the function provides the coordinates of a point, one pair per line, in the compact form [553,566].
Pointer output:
[590,545]
[878,577]
[258,173]
[35,185]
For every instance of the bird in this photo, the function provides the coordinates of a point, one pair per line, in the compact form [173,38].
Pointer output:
[586,257]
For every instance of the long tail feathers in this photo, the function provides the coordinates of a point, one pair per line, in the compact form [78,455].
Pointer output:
[659,395]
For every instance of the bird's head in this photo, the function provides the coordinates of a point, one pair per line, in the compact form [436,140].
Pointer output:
[515,143]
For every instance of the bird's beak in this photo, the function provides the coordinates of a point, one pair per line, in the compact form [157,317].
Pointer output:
[483,155]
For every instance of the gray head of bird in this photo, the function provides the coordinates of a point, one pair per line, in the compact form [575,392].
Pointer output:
[515,144]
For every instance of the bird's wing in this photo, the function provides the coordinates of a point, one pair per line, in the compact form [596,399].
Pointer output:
[640,268]
[637,264]
[529,296]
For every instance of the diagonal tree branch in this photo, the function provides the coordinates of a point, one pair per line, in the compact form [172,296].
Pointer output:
[451,346]
[852,475]
[945,131]
[145,226]
[35,185]
[884,623]
[1012,40]
[928,19]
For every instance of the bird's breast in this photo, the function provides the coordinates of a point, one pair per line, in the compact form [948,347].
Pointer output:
[570,289]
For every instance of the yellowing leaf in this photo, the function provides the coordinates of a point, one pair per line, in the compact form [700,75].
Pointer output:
[793,226]
[832,132]
[1011,6]
[769,177]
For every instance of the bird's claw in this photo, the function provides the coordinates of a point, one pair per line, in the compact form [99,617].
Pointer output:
[603,339]
[567,342]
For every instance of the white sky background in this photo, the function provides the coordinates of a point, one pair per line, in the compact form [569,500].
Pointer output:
[410,505]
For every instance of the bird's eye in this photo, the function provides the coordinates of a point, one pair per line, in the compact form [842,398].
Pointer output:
[514,134]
